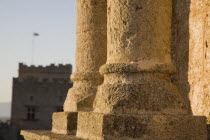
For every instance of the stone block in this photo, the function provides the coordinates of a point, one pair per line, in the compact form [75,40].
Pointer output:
[64,123]
[96,126]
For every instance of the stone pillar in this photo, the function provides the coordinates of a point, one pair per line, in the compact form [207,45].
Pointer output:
[137,99]
[91,53]
[139,63]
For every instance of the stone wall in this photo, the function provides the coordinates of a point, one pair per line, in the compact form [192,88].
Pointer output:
[43,89]
[191,53]
[46,97]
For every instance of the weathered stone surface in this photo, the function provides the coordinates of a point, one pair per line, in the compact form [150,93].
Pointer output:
[90,54]
[46,135]
[137,99]
[96,126]
[64,123]
[82,95]
[135,33]
[190,53]
[138,93]
[136,75]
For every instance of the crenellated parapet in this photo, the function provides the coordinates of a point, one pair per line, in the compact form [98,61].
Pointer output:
[51,71]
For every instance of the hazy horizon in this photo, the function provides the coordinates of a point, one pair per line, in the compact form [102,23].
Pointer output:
[5,110]
[54,20]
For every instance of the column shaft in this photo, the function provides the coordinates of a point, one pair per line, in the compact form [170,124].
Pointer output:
[90,54]
[139,30]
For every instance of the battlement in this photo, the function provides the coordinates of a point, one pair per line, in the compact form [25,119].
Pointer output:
[52,68]
[50,71]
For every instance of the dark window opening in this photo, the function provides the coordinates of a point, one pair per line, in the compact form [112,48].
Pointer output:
[31,113]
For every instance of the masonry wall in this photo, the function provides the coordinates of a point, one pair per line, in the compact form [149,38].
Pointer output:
[191,53]
[41,88]
[47,96]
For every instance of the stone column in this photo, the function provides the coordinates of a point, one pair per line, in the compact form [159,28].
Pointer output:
[91,53]
[137,99]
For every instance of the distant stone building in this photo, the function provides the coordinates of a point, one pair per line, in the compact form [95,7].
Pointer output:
[37,93]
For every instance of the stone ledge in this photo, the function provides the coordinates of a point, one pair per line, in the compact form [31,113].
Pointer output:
[97,126]
[45,135]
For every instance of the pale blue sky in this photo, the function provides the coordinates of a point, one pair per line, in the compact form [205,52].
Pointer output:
[54,20]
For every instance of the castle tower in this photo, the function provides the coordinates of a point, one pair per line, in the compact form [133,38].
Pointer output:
[31,89]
